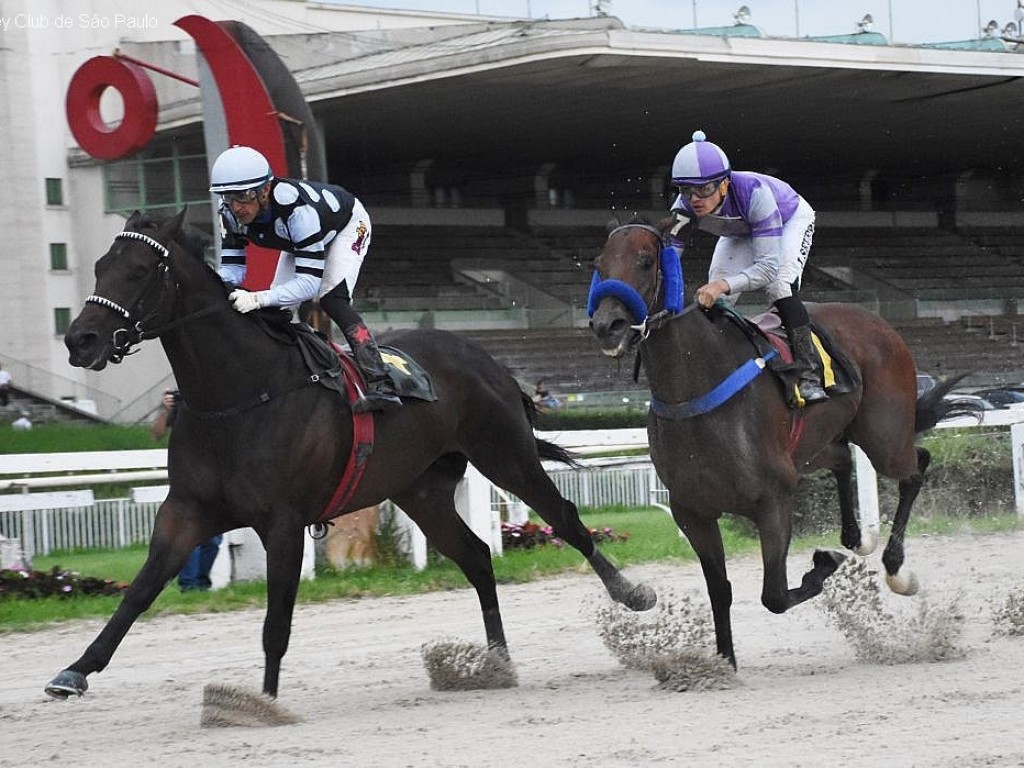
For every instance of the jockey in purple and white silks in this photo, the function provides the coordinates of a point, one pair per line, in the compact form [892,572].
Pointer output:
[765,230]
[323,233]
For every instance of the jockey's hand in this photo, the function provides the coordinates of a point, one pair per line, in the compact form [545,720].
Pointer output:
[246,301]
[708,294]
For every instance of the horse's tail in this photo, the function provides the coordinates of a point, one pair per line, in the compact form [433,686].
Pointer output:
[933,406]
[547,450]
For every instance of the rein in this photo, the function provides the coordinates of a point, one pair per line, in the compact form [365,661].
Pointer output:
[123,339]
[670,282]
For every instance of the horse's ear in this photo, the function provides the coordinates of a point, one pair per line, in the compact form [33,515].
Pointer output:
[613,223]
[133,219]
[172,226]
[665,224]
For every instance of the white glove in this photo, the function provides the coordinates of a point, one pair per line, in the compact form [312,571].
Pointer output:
[247,301]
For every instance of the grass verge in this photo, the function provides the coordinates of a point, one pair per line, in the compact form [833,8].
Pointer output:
[653,537]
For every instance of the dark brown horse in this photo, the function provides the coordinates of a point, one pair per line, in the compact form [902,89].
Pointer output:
[743,453]
[253,446]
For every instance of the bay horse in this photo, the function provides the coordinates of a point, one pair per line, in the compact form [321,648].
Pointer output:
[253,447]
[744,453]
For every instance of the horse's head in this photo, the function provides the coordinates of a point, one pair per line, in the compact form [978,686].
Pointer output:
[635,275]
[130,293]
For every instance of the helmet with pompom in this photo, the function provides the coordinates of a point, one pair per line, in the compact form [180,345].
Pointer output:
[699,162]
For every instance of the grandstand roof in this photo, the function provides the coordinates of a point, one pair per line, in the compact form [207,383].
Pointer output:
[532,92]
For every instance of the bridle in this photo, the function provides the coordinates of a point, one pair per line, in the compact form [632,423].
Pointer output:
[135,331]
[669,284]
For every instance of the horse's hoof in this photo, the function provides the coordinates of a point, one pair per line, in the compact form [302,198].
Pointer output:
[641,598]
[868,543]
[828,559]
[903,582]
[67,683]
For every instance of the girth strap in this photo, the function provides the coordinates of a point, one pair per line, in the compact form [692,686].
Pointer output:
[362,447]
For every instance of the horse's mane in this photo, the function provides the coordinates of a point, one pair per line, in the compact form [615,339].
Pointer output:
[190,237]
[194,240]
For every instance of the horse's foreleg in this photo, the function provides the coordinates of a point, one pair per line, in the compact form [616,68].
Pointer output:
[775,531]
[168,549]
[705,537]
[284,567]
[900,579]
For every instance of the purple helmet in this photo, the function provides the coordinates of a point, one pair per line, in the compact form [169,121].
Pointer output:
[700,162]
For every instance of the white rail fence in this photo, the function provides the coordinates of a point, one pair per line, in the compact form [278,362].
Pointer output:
[59,520]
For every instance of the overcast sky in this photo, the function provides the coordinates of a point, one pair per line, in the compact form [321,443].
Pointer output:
[901,21]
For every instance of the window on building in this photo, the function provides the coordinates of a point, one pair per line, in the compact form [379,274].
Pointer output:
[61,320]
[55,192]
[58,256]
[162,180]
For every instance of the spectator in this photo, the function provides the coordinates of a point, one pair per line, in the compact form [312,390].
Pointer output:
[544,400]
[22,423]
[5,387]
[168,412]
[195,575]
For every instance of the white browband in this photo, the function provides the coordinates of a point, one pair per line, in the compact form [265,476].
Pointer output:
[144,238]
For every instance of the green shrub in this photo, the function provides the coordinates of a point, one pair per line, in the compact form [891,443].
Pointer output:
[592,418]
[970,475]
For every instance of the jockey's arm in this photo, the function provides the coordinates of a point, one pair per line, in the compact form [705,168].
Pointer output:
[302,287]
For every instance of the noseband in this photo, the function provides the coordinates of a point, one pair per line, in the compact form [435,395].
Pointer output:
[670,273]
[124,338]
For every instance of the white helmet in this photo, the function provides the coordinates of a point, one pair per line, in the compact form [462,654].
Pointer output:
[238,169]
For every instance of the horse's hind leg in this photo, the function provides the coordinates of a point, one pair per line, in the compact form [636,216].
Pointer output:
[430,502]
[529,481]
[901,580]
[852,535]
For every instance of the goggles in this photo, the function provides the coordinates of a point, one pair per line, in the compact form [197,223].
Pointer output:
[707,189]
[240,196]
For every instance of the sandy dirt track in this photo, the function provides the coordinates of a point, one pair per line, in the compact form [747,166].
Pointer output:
[354,676]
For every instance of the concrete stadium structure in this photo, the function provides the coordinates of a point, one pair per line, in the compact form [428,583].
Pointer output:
[442,121]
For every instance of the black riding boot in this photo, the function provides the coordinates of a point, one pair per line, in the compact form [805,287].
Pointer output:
[806,358]
[380,393]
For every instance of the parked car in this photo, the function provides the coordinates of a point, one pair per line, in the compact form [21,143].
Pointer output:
[970,400]
[1003,397]
[925,381]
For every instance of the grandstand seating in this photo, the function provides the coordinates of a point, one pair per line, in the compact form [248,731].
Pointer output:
[430,268]
[568,359]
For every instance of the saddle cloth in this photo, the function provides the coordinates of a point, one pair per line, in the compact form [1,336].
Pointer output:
[839,374]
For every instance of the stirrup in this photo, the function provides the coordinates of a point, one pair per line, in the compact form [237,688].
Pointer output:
[812,392]
[376,401]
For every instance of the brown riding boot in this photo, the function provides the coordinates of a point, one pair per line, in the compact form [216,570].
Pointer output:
[806,358]
[380,393]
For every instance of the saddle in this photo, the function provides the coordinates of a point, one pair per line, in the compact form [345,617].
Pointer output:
[324,359]
[765,331]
